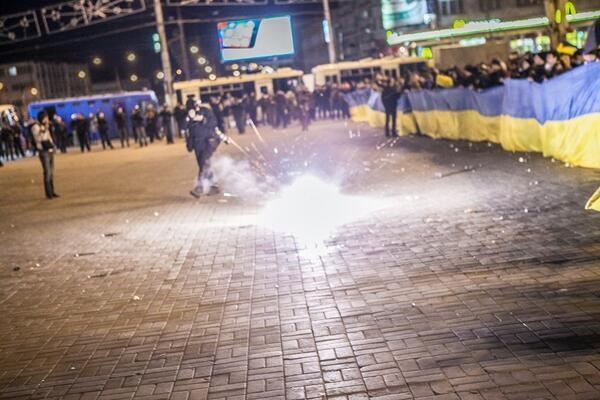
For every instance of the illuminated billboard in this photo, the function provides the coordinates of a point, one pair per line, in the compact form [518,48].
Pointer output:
[397,13]
[255,38]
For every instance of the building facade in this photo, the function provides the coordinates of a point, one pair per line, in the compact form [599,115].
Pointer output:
[24,82]
[360,31]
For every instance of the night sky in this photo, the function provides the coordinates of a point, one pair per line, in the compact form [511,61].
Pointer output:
[112,40]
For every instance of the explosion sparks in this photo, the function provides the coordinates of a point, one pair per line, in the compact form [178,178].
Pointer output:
[311,210]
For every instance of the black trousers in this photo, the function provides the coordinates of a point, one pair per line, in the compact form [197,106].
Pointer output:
[390,116]
[105,140]
[124,135]
[84,142]
[47,160]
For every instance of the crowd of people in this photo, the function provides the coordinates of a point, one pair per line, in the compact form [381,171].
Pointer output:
[537,68]
[280,109]
[144,125]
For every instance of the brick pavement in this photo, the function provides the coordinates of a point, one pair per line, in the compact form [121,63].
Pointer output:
[470,285]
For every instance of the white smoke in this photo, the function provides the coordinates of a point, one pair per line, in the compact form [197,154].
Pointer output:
[240,179]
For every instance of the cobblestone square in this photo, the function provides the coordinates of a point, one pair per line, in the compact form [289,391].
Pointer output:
[478,279]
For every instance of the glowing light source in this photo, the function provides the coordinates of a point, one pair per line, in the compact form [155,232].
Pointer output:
[235,67]
[131,57]
[1,85]
[212,77]
[208,69]
[133,78]
[97,61]
[160,75]
[236,73]
[201,60]
[179,71]
[81,74]
[34,91]
[311,209]
[194,49]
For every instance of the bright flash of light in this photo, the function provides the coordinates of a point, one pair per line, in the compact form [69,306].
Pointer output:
[311,210]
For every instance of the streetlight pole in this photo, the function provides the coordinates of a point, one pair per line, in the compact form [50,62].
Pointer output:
[557,16]
[331,44]
[164,55]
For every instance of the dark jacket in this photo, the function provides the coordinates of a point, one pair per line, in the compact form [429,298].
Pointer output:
[389,98]
[201,136]
[102,125]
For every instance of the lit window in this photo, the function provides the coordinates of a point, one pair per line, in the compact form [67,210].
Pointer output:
[12,71]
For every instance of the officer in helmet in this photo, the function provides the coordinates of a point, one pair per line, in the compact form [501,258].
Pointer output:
[203,138]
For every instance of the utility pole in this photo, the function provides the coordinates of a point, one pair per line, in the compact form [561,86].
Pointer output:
[182,47]
[331,44]
[164,55]
[556,13]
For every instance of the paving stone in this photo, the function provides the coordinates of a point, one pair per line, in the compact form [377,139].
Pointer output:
[449,291]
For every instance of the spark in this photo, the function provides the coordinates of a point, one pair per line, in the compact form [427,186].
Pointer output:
[312,210]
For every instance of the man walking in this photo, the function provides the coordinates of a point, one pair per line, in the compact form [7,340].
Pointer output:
[203,138]
[45,148]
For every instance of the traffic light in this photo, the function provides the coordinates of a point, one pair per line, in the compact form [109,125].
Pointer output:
[156,42]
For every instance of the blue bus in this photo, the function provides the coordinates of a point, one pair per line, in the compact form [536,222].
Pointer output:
[85,105]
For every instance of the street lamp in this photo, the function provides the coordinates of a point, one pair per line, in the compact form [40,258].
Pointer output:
[131,57]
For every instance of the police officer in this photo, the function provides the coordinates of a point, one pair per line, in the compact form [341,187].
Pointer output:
[103,129]
[139,130]
[121,121]
[203,138]
[166,117]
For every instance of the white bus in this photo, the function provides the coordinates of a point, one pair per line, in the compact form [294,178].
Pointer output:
[269,81]
[354,71]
